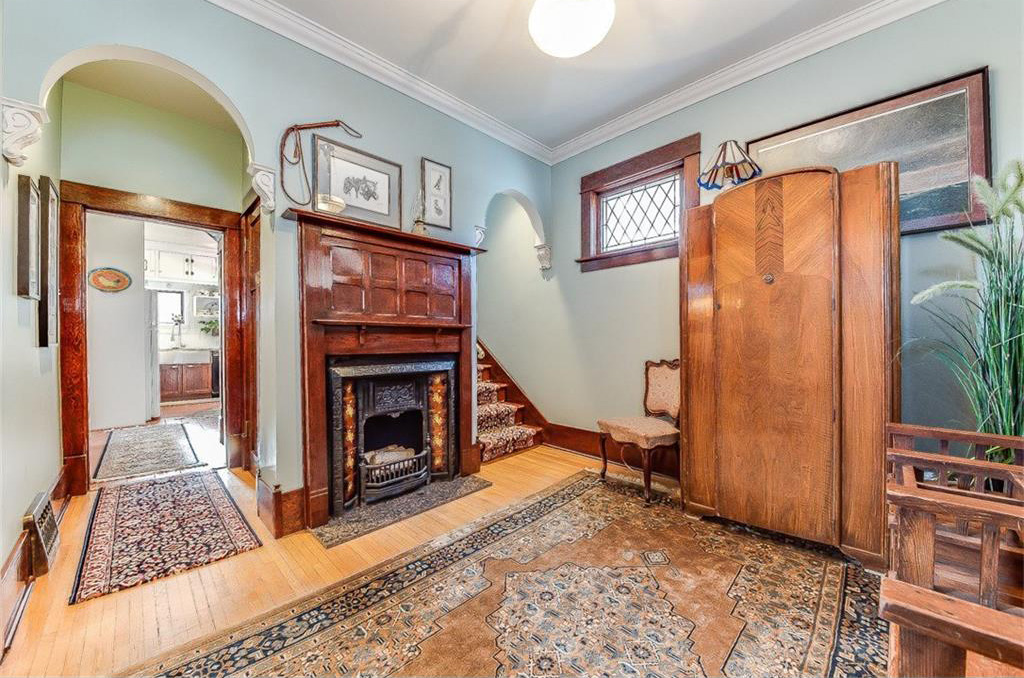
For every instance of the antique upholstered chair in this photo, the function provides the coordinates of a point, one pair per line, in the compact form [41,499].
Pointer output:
[650,433]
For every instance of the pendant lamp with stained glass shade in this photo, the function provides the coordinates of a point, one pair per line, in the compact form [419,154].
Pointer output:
[730,163]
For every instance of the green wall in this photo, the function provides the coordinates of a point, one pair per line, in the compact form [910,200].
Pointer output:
[113,142]
[576,342]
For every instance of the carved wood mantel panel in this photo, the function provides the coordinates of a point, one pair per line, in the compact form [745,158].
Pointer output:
[371,290]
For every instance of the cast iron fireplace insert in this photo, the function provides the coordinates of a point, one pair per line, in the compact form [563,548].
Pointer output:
[392,426]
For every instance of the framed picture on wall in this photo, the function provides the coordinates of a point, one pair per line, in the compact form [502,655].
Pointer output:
[365,187]
[28,238]
[437,193]
[939,135]
[50,239]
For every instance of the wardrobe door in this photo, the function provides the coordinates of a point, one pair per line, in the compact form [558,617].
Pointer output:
[776,345]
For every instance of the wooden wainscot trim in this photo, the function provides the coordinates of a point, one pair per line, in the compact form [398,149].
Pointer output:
[282,512]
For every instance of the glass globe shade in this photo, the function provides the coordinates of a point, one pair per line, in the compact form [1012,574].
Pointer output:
[569,28]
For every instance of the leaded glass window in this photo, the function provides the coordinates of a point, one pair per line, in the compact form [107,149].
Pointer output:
[642,214]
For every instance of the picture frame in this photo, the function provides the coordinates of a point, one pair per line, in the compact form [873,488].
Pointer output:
[49,243]
[363,186]
[938,133]
[28,274]
[436,184]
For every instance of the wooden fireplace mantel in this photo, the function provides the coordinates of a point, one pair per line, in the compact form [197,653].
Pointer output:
[369,290]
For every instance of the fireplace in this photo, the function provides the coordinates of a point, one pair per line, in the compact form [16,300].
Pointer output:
[392,427]
[372,298]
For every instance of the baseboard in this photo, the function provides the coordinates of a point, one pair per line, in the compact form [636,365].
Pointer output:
[871,561]
[589,442]
[16,582]
[15,588]
[282,512]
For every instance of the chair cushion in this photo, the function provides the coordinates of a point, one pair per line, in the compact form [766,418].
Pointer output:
[645,432]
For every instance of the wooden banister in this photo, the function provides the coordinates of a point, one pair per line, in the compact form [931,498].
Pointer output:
[958,506]
[984,500]
[985,440]
[944,618]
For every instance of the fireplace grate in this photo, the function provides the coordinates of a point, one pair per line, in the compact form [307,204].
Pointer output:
[400,470]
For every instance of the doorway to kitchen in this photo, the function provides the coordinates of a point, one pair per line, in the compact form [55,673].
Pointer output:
[158,327]
[153,319]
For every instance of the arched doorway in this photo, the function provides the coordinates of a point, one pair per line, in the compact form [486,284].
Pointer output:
[150,142]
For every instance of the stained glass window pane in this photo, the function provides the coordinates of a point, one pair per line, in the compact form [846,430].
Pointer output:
[640,215]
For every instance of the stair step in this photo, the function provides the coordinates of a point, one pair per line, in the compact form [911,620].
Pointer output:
[488,392]
[506,440]
[497,415]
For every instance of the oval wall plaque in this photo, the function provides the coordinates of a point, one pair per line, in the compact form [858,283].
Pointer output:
[109,279]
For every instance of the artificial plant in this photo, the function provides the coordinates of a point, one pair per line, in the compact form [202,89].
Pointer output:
[985,350]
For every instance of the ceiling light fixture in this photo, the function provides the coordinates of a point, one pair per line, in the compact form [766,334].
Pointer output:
[569,28]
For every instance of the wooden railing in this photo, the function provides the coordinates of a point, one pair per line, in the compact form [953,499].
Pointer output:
[956,582]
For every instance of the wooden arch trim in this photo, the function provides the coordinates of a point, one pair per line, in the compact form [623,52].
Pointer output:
[240,262]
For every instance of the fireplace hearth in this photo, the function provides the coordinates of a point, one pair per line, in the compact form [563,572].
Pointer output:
[392,427]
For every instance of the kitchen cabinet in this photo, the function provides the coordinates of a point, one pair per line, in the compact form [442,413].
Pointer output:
[179,263]
[172,265]
[190,381]
[203,268]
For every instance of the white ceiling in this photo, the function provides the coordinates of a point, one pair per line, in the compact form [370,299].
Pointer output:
[474,59]
[152,86]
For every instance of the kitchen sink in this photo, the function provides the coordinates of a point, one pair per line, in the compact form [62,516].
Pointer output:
[184,356]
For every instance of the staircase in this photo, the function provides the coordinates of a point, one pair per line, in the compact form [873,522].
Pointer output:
[499,423]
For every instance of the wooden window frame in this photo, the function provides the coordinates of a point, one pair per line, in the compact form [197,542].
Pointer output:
[681,156]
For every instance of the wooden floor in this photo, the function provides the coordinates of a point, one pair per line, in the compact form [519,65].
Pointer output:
[102,635]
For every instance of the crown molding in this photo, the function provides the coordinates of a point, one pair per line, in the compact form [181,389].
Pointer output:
[309,34]
[292,25]
[846,27]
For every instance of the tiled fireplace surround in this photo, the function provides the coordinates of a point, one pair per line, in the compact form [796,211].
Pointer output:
[379,401]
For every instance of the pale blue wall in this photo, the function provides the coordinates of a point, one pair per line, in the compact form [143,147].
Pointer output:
[30,457]
[117,143]
[577,343]
[275,83]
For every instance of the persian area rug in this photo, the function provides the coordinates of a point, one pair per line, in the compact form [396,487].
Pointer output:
[149,529]
[369,517]
[144,450]
[581,580]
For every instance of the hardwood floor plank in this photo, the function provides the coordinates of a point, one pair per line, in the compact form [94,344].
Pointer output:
[100,636]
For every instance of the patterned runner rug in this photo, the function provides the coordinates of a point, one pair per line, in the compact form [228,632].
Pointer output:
[149,529]
[367,518]
[581,580]
[143,450]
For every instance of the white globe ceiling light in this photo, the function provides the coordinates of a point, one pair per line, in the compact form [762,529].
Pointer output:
[569,28]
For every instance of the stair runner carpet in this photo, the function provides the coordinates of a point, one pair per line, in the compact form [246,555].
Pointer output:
[498,422]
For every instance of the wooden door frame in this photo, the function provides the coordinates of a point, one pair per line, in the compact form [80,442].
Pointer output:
[240,320]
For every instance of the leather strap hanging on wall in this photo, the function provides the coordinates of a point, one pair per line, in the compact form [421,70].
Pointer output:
[297,157]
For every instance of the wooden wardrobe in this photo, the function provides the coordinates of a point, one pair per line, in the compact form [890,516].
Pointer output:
[789,335]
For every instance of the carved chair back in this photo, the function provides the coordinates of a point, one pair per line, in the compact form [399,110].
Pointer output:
[661,388]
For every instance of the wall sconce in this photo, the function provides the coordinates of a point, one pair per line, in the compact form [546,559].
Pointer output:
[730,163]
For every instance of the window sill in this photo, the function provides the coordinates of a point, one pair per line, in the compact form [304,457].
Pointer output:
[629,257]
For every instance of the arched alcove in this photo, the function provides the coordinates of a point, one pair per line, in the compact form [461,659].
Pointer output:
[543,250]
[87,55]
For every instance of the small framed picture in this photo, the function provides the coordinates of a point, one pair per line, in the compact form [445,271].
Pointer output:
[28,238]
[437,193]
[50,240]
[363,186]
